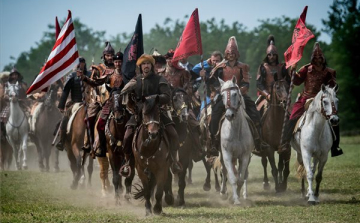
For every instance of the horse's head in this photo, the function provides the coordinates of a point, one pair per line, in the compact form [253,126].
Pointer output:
[119,110]
[280,92]
[51,97]
[231,96]
[180,104]
[13,90]
[151,115]
[329,104]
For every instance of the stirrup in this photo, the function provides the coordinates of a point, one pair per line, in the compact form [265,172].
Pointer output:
[125,170]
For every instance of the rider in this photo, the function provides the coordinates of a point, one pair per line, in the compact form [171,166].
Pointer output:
[313,75]
[160,62]
[226,70]
[115,80]
[103,69]
[73,86]
[270,71]
[148,84]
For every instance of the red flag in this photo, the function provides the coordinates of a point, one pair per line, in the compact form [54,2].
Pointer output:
[57,28]
[190,40]
[301,36]
[63,57]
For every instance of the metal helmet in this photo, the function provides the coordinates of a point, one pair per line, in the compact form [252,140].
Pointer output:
[232,47]
[118,56]
[271,48]
[317,52]
[108,49]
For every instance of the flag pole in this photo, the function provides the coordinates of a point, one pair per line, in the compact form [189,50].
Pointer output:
[205,98]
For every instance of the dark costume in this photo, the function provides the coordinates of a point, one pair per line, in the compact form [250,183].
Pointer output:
[150,86]
[226,72]
[73,86]
[313,79]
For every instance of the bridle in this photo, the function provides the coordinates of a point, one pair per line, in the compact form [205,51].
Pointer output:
[333,108]
[228,101]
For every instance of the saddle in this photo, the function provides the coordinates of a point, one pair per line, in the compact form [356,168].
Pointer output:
[300,123]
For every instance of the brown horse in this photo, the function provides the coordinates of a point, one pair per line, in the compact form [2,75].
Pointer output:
[46,118]
[115,131]
[272,122]
[73,143]
[151,152]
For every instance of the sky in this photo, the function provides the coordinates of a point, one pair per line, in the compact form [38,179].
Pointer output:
[23,22]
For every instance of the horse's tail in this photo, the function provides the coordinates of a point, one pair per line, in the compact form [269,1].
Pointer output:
[139,192]
[300,170]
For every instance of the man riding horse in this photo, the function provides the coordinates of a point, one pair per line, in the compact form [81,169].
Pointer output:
[115,81]
[226,70]
[73,86]
[99,71]
[149,84]
[269,72]
[313,75]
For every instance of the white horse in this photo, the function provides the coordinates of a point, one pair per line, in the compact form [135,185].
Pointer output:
[236,139]
[17,127]
[315,139]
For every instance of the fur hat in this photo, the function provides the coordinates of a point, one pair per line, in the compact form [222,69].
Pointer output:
[145,57]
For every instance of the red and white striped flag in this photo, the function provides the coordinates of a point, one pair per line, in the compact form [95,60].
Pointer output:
[63,57]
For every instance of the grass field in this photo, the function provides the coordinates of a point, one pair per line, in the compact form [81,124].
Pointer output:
[32,196]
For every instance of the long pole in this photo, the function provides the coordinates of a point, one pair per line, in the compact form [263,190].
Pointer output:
[205,99]
[87,119]
[288,102]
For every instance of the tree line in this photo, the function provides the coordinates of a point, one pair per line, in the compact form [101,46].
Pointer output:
[342,54]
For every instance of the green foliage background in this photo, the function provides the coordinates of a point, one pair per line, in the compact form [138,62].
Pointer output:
[343,53]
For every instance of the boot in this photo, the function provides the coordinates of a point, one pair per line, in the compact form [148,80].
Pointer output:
[176,165]
[101,150]
[86,148]
[335,145]
[288,132]
[214,147]
[61,143]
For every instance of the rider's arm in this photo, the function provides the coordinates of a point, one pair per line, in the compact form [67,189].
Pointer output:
[65,93]
[245,81]
[300,76]
[261,77]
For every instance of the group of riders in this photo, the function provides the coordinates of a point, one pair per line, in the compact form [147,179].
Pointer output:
[157,76]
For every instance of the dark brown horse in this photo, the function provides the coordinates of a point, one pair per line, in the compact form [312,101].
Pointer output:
[151,152]
[272,122]
[73,143]
[115,131]
[46,118]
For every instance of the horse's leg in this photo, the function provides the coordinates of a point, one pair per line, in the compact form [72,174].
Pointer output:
[242,175]
[182,185]
[319,177]
[232,178]
[90,169]
[169,197]
[104,167]
[73,167]
[274,170]
[40,154]
[207,184]
[190,167]
[266,184]
[224,178]
[161,181]
[56,164]
[24,150]
[16,152]
[129,180]
[285,157]
[115,162]
[306,157]
[217,185]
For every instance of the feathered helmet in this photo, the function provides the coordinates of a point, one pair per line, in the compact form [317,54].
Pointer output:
[317,52]
[232,47]
[158,57]
[108,50]
[271,49]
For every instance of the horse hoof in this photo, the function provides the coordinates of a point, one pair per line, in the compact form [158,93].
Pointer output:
[217,188]
[157,209]
[169,199]
[266,186]
[25,167]
[224,196]
[181,203]
[311,202]
[207,187]
[127,197]
[237,202]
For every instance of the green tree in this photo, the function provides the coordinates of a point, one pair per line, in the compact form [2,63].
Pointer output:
[343,24]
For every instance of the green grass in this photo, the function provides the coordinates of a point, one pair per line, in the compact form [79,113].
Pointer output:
[32,196]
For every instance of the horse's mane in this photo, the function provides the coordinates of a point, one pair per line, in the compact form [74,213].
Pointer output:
[149,105]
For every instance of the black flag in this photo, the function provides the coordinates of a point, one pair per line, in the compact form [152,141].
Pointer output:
[133,51]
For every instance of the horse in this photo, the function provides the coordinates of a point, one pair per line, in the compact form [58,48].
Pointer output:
[272,122]
[47,117]
[74,141]
[236,139]
[151,152]
[17,127]
[115,131]
[313,142]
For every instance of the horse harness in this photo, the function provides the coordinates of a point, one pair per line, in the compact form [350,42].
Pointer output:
[228,102]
